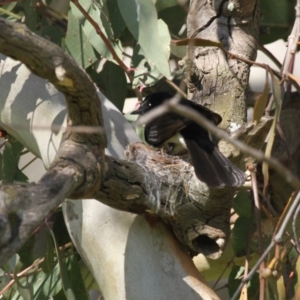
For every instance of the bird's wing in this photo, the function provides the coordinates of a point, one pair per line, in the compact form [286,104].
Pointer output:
[163,128]
[211,166]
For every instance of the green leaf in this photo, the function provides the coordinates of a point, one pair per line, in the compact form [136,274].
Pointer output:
[276,89]
[140,17]
[260,104]
[1,166]
[11,264]
[175,18]
[11,156]
[30,13]
[26,252]
[240,236]
[178,51]
[242,204]
[113,84]
[145,74]
[6,9]
[76,279]
[76,43]
[20,176]
[67,287]
[87,277]
[26,291]
[5,278]
[197,42]
[234,281]
[35,248]
[296,281]
[43,286]
[117,23]
[49,262]
[162,4]
[60,296]
[279,16]
[52,32]
[98,11]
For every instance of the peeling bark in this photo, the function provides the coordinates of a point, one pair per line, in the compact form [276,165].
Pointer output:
[215,80]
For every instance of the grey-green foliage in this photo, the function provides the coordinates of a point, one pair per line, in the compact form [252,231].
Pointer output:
[147,27]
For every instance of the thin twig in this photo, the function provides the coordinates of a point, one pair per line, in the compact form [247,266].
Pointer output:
[30,162]
[269,54]
[294,228]
[259,231]
[220,276]
[276,240]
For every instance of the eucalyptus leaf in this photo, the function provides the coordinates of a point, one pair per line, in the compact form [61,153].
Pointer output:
[11,264]
[279,17]
[145,74]
[49,259]
[77,44]
[240,236]
[43,286]
[197,42]
[117,23]
[99,13]
[66,283]
[25,289]
[276,89]
[260,104]
[30,14]
[175,18]
[140,17]
[52,32]
[242,204]
[113,83]
[8,6]
[162,4]
[78,285]
[11,156]
[234,281]
[4,278]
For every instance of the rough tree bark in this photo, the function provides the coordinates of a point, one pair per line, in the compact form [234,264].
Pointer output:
[198,214]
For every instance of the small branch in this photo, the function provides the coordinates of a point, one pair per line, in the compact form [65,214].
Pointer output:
[296,238]
[30,162]
[270,55]
[276,240]
[292,43]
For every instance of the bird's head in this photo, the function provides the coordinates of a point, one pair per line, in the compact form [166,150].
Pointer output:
[151,101]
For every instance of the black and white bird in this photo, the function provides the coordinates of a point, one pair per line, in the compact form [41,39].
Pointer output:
[171,130]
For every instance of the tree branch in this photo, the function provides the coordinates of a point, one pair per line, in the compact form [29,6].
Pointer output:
[24,208]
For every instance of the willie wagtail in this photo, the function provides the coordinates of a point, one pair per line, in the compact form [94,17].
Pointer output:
[210,165]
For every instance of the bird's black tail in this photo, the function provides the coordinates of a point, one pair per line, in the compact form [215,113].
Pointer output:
[211,166]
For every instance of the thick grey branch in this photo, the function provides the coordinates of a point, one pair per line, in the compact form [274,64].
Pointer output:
[24,208]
